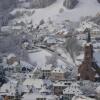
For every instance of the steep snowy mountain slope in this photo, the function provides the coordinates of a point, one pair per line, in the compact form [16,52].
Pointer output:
[84,8]
[57,12]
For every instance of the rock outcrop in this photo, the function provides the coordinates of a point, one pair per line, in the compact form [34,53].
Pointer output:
[41,3]
[70,4]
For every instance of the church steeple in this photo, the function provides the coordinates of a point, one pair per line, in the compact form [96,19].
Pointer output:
[86,68]
[87,32]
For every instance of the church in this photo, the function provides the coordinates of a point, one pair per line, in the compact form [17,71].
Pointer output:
[89,69]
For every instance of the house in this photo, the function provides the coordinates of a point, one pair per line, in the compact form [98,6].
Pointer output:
[71,91]
[11,59]
[86,24]
[46,71]
[10,90]
[62,33]
[26,67]
[89,68]
[50,40]
[58,73]
[95,31]
[45,91]
[37,84]
[37,72]
[37,96]
[59,86]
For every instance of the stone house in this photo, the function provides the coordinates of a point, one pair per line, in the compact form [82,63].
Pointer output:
[58,73]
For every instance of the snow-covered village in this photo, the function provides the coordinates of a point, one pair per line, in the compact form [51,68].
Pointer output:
[49,49]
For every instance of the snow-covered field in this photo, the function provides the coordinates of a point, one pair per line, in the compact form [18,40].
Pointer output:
[83,8]
[39,57]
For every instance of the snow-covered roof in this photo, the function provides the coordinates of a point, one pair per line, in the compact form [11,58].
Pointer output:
[74,88]
[35,96]
[47,67]
[75,85]
[96,45]
[95,29]
[62,32]
[37,83]
[44,90]
[36,69]
[82,97]
[39,57]
[62,83]
[97,75]
[24,89]
[98,89]
[9,88]
[11,55]
[50,40]
[87,24]
[74,91]
[58,70]
[15,64]
[79,59]
[88,44]
[26,64]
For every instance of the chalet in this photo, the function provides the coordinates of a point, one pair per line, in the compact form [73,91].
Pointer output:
[58,73]
[71,91]
[46,71]
[37,84]
[59,86]
[8,90]
[89,68]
